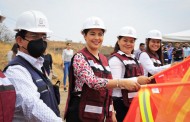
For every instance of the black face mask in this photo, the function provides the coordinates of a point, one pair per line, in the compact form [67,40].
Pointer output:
[36,48]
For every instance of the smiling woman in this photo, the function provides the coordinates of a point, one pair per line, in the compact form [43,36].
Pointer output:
[124,65]
[89,73]
[151,59]
[90,79]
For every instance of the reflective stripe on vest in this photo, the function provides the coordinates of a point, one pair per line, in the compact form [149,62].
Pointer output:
[93,109]
[132,94]
[96,109]
[145,108]
[157,61]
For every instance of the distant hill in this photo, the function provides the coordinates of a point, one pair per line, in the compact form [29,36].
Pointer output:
[55,49]
[58,46]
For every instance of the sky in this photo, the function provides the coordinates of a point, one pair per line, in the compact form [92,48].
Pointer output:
[66,17]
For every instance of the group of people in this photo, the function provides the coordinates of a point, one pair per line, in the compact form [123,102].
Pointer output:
[176,53]
[100,88]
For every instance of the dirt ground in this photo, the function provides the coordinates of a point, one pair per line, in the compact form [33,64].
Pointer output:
[63,101]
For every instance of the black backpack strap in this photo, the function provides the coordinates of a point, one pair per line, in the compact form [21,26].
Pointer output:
[72,80]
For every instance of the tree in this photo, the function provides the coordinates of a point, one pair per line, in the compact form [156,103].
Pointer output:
[5,34]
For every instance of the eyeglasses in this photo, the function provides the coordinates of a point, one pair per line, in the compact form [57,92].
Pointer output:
[37,36]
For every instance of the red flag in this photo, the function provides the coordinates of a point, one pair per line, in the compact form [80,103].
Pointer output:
[166,102]
[174,73]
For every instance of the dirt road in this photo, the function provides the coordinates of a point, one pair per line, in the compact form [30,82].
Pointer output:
[63,101]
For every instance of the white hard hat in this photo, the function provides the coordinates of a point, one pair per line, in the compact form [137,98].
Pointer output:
[93,22]
[1,17]
[33,21]
[128,31]
[154,34]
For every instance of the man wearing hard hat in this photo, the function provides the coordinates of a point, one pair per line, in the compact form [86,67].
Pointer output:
[35,101]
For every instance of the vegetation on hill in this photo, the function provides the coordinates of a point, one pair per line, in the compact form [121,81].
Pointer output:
[55,49]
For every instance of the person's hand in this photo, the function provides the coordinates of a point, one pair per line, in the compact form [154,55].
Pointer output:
[62,65]
[130,85]
[114,117]
[51,71]
[143,80]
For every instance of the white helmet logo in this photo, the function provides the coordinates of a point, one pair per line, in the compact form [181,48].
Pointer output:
[41,22]
[96,23]
[130,32]
[157,34]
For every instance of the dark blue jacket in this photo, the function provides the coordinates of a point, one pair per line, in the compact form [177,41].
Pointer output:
[45,87]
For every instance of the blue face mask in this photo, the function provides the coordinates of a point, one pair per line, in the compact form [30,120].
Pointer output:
[36,48]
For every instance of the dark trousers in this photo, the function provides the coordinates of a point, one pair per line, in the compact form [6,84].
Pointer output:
[169,61]
[73,110]
[120,108]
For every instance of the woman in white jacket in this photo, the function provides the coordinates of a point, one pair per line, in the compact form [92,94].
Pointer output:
[152,58]
[124,65]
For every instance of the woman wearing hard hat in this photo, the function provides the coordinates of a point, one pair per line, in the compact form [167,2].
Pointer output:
[152,59]
[123,64]
[90,79]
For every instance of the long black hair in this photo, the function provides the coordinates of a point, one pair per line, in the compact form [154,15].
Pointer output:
[158,52]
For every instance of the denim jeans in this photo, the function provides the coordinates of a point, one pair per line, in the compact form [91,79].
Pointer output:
[66,71]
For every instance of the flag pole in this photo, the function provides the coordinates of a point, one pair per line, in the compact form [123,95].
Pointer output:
[173,66]
[165,84]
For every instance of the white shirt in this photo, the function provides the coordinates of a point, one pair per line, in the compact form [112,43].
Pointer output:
[148,65]
[9,55]
[186,51]
[29,107]
[118,71]
[67,55]
[137,53]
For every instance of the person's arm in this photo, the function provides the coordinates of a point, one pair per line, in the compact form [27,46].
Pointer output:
[28,98]
[118,71]
[51,61]
[84,74]
[182,53]
[148,64]
[117,68]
